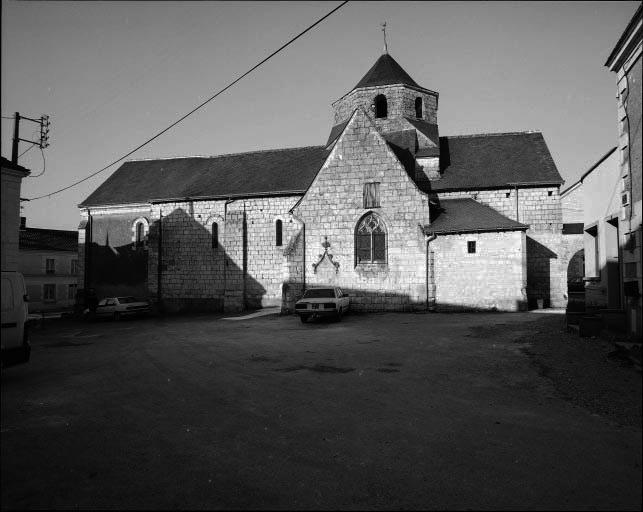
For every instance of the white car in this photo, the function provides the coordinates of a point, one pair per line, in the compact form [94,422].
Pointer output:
[117,307]
[15,331]
[320,302]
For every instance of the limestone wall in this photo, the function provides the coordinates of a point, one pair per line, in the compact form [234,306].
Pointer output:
[494,277]
[400,102]
[333,206]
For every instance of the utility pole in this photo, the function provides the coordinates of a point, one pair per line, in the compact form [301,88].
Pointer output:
[16,131]
[43,121]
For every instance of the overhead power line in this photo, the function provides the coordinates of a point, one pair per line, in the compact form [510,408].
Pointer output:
[197,107]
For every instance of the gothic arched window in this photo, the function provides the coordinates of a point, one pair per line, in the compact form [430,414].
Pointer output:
[381,107]
[370,240]
[278,232]
[418,108]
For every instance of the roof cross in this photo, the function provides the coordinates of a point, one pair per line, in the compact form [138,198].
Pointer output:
[384,31]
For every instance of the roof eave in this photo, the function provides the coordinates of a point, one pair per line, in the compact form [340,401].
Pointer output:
[626,41]
[276,193]
[428,230]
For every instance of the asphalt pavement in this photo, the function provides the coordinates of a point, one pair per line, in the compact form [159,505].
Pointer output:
[379,411]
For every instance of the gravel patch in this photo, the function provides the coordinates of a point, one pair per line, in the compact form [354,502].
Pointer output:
[588,372]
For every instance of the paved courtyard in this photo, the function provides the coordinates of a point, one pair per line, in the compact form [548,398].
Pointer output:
[381,411]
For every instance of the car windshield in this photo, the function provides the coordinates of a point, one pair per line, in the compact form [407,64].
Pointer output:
[320,293]
[126,300]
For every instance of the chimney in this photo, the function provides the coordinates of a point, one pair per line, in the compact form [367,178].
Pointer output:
[23,223]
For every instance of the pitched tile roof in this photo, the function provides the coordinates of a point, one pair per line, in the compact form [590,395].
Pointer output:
[385,71]
[467,216]
[429,130]
[336,131]
[467,163]
[495,160]
[242,174]
[37,239]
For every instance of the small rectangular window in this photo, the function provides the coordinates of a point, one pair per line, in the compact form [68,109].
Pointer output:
[71,291]
[372,195]
[471,246]
[74,267]
[50,266]
[49,292]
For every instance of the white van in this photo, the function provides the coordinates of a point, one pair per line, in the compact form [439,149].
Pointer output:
[15,338]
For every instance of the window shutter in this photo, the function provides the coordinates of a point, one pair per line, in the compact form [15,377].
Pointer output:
[371,195]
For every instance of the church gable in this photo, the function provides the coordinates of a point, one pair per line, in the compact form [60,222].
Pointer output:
[362,156]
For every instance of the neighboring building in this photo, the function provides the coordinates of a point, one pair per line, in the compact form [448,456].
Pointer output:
[625,61]
[12,175]
[49,263]
[397,215]
[571,200]
[601,207]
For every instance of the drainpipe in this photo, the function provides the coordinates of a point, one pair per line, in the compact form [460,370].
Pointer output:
[303,241]
[225,261]
[430,277]
[88,249]
[159,263]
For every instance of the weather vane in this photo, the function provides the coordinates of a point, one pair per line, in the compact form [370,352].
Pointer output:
[384,31]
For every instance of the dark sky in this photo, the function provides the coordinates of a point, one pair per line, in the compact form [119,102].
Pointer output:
[111,74]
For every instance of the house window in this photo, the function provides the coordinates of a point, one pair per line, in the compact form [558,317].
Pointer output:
[370,240]
[49,293]
[381,107]
[215,235]
[71,291]
[371,195]
[50,266]
[278,232]
[74,267]
[471,246]
[418,108]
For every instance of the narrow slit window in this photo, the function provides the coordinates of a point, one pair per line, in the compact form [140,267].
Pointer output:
[278,233]
[215,235]
[471,247]
[418,108]
[140,234]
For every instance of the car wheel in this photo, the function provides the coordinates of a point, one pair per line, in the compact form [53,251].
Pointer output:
[303,318]
[117,316]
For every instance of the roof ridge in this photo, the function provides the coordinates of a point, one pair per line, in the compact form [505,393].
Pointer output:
[29,228]
[526,132]
[224,154]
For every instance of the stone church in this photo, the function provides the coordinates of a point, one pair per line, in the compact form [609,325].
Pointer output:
[397,215]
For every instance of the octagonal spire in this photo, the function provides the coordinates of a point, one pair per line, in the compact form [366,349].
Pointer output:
[385,71]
